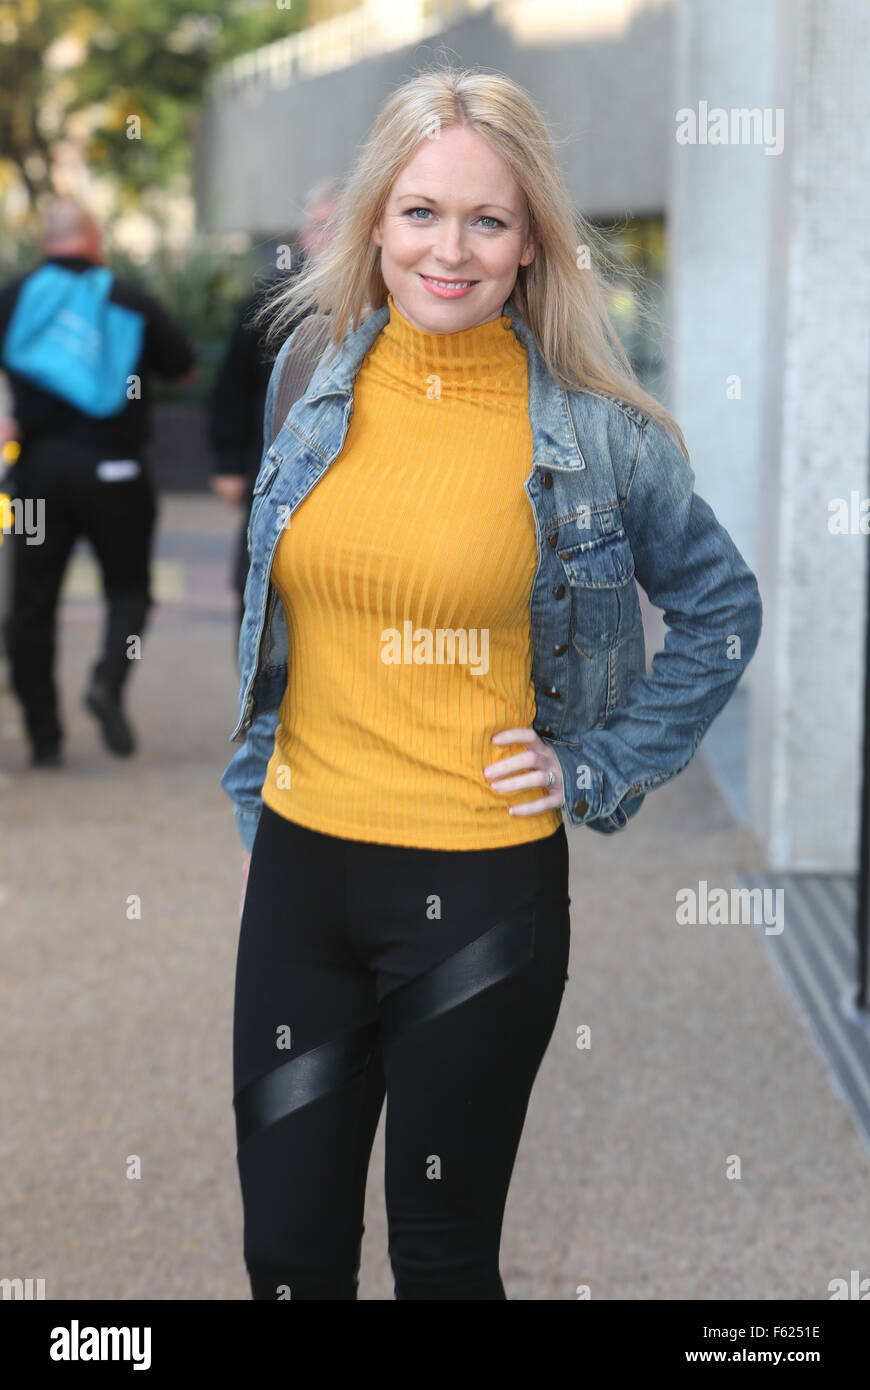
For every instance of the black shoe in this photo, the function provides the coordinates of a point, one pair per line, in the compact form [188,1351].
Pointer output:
[106,706]
[46,755]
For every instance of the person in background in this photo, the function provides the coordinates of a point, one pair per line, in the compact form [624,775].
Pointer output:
[79,346]
[239,396]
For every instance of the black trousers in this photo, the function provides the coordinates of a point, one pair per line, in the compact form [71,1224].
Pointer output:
[59,482]
[432,976]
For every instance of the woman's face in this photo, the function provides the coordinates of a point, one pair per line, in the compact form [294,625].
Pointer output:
[454,213]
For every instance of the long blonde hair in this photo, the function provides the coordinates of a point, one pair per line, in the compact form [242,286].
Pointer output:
[565,307]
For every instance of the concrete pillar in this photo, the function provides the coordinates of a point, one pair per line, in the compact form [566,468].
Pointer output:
[718,218]
[717,228]
[770,323]
[807,720]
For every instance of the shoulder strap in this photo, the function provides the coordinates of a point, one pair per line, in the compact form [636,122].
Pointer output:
[309,342]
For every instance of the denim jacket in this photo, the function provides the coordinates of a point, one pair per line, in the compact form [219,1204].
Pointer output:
[613,501]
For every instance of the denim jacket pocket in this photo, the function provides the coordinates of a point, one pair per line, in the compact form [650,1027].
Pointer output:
[598,573]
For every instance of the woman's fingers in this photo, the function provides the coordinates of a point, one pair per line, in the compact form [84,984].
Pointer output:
[521,762]
[524,770]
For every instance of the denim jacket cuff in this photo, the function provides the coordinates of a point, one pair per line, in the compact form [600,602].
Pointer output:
[247,822]
[583,788]
[586,794]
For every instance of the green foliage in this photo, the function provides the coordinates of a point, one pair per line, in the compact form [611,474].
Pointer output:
[123,58]
[204,293]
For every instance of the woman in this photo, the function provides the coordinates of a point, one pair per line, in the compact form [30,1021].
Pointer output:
[458,663]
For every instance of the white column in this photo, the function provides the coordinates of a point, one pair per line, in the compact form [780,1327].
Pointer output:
[717,229]
[808,696]
[770,306]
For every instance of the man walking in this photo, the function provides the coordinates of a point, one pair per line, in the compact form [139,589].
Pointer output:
[78,346]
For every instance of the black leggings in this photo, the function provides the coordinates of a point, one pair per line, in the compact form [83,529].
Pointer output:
[435,976]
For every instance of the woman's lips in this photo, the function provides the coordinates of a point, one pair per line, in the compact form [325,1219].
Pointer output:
[443,291]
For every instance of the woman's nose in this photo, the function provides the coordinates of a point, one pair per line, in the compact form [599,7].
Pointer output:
[450,242]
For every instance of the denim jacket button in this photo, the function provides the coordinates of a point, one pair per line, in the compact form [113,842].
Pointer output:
[547,480]
[554,540]
[546,733]
[561,649]
[559,591]
[553,693]
[580,808]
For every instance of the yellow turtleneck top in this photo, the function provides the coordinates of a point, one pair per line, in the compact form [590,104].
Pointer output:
[405,577]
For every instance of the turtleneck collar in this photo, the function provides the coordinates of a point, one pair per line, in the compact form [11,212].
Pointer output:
[470,354]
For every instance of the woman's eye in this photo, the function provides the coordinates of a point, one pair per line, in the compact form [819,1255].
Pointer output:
[485,218]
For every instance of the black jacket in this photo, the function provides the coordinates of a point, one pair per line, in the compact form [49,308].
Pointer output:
[239,397]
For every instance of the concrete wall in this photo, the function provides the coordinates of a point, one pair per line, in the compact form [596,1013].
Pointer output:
[807,726]
[604,88]
[718,219]
[768,283]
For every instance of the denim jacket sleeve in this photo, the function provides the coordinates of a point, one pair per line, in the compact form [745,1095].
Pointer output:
[690,568]
[245,774]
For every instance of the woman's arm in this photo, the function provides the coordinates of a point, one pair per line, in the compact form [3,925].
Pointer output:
[691,569]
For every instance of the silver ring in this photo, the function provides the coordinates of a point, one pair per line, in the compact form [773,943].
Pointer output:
[551,778]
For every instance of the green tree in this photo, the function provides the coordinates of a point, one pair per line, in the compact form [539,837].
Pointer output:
[117,60]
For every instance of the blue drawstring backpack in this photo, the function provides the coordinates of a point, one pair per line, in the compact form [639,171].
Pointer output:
[68,338]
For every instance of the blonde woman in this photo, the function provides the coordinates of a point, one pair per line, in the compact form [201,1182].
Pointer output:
[442,661]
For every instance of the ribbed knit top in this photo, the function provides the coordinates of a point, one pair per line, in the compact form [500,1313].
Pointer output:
[405,577]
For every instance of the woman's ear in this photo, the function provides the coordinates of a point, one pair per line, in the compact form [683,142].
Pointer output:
[376,233]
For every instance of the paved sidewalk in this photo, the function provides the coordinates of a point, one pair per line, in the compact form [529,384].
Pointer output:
[115,1032]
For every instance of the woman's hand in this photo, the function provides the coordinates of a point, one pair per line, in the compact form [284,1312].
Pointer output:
[246,864]
[534,765]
